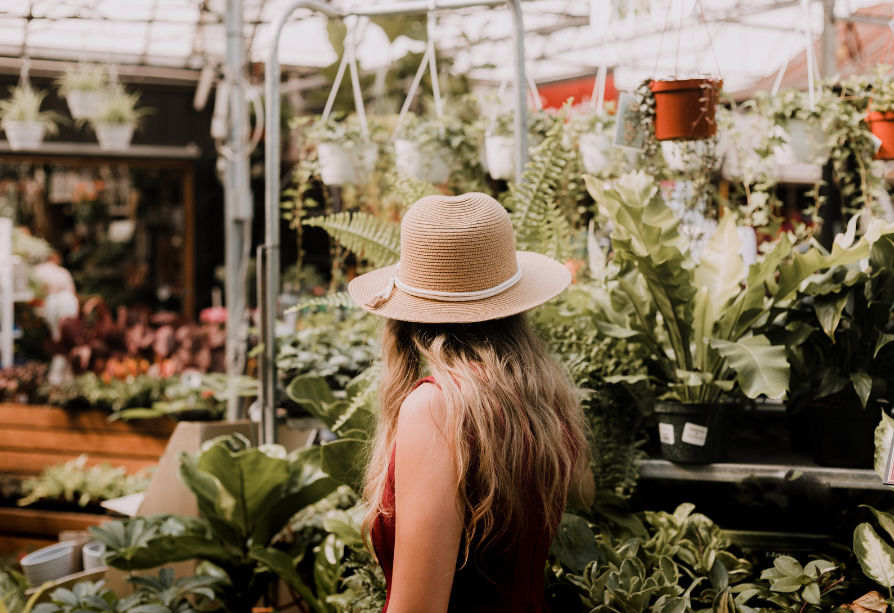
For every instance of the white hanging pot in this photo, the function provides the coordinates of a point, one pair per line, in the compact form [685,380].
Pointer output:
[748,250]
[594,149]
[49,563]
[807,142]
[425,165]
[365,157]
[500,154]
[83,104]
[336,164]
[24,135]
[114,136]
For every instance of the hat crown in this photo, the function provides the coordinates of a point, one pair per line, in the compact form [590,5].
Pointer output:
[457,244]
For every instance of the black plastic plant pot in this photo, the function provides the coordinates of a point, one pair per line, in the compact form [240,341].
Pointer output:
[843,436]
[694,433]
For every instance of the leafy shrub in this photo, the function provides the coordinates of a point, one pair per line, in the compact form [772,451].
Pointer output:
[74,482]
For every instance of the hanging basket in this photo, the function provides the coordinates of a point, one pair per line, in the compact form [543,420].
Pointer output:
[114,136]
[594,148]
[24,135]
[684,109]
[83,104]
[500,154]
[336,165]
[807,142]
[882,126]
[425,165]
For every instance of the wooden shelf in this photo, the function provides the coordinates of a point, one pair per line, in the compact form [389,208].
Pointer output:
[25,522]
[135,152]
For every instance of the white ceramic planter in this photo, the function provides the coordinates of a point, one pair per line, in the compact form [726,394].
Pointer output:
[114,136]
[49,563]
[24,135]
[336,165]
[594,148]
[748,250]
[83,104]
[426,166]
[365,157]
[807,142]
[500,154]
[92,554]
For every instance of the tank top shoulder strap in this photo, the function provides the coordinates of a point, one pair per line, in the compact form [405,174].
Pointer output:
[428,379]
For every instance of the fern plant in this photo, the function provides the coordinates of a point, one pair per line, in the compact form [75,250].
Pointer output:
[407,189]
[375,240]
[540,225]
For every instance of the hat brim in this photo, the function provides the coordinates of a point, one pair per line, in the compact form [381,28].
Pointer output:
[543,278]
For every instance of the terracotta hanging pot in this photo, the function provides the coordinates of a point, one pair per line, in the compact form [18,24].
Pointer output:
[882,126]
[684,109]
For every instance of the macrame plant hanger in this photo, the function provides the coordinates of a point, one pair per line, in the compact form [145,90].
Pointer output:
[349,60]
[428,62]
[810,53]
[597,98]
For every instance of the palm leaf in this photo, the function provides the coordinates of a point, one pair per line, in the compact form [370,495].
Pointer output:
[337,300]
[369,238]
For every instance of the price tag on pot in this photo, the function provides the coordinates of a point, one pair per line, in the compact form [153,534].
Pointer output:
[694,434]
[666,433]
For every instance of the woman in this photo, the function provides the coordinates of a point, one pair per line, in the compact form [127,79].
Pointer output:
[471,466]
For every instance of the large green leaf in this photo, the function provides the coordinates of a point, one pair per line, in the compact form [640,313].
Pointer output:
[875,555]
[574,543]
[253,478]
[167,549]
[760,367]
[315,396]
[721,269]
[281,565]
[862,383]
[805,264]
[828,310]
[342,460]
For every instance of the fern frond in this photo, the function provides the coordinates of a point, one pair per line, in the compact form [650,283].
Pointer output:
[369,238]
[407,190]
[540,224]
[338,300]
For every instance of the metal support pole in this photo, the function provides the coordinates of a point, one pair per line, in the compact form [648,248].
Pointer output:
[267,358]
[521,91]
[237,199]
[829,63]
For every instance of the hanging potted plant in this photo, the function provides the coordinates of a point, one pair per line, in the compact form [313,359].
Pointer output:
[594,139]
[881,112]
[116,118]
[700,322]
[795,132]
[23,121]
[345,156]
[499,147]
[83,88]
[838,333]
[423,150]
[685,108]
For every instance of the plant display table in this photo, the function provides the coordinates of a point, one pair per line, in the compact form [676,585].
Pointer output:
[32,437]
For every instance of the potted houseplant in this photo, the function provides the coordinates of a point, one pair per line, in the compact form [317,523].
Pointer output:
[699,321]
[684,108]
[116,118]
[423,150]
[499,147]
[838,333]
[795,134]
[23,121]
[344,154]
[594,139]
[83,88]
[881,112]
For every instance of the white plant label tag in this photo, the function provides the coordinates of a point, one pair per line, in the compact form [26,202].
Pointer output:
[666,433]
[694,434]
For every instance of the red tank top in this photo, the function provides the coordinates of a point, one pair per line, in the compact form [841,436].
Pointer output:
[506,582]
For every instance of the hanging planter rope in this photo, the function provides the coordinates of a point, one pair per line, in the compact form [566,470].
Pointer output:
[340,165]
[685,108]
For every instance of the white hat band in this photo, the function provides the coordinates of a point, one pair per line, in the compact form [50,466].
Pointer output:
[394,281]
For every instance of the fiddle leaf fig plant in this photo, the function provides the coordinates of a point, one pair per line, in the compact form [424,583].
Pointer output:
[702,321]
[247,497]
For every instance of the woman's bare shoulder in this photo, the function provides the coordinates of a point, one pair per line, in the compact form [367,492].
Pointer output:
[423,410]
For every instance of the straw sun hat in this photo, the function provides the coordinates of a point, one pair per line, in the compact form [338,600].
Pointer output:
[458,264]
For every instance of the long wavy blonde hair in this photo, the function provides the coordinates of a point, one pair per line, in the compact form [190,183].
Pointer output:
[513,420]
